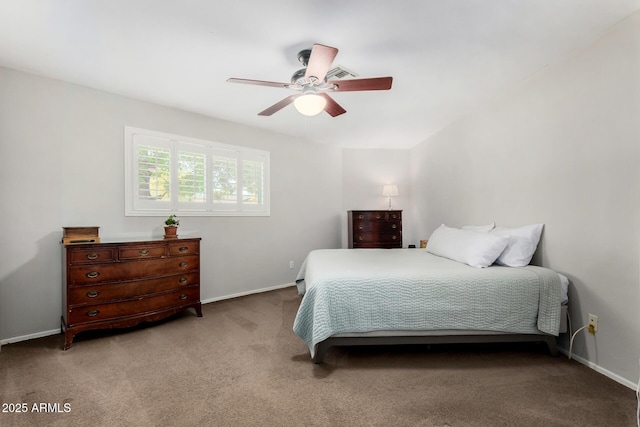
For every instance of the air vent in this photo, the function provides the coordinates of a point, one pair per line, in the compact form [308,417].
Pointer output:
[339,72]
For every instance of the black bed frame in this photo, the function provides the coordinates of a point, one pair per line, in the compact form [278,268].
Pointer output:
[323,347]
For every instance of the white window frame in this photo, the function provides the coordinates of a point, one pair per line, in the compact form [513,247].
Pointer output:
[135,206]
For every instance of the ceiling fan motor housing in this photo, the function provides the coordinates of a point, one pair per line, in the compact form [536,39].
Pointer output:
[303,56]
[298,77]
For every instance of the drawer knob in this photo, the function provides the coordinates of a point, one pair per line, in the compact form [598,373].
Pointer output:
[93,313]
[394,226]
[359,237]
[183,280]
[360,227]
[93,294]
[92,255]
[378,216]
[183,249]
[183,296]
[92,274]
[143,252]
[184,264]
[394,237]
[360,216]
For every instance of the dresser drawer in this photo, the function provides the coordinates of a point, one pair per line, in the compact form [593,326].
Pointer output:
[184,248]
[367,239]
[124,290]
[142,252]
[91,256]
[394,215]
[148,304]
[99,273]
[390,238]
[369,216]
[378,226]
[376,215]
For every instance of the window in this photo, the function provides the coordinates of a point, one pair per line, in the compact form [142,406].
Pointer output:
[169,173]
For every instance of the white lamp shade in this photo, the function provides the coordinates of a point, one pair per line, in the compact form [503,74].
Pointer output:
[390,190]
[310,104]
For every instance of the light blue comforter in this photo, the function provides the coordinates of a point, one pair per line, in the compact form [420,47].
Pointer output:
[362,290]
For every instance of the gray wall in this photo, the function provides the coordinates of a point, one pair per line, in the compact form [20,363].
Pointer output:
[61,164]
[364,173]
[562,149]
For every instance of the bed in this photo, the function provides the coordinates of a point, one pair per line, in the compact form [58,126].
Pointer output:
[411,296]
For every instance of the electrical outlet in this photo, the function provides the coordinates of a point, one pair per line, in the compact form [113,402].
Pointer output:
[593,324]
[291,264]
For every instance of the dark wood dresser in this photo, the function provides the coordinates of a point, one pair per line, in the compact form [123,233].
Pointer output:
[375,229]
[121,284]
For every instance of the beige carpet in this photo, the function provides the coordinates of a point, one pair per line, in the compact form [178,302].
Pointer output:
[241,365]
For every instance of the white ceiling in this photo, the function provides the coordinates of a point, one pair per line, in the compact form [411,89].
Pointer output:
[447,57]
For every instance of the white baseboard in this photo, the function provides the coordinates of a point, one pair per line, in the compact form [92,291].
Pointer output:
[242,294]
[57,331]
[30,336]
[600,369]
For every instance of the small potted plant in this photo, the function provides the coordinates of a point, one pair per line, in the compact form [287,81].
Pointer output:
[171,227]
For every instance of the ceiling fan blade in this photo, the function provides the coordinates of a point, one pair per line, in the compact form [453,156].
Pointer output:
[259,82]
[376,83]
[320,60]
[278,106]
[332,108]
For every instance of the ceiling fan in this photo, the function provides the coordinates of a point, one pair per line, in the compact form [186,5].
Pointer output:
[313,87]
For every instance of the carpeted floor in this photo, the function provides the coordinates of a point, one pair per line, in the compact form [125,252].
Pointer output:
[241,365]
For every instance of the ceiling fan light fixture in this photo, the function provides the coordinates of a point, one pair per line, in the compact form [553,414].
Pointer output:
[310,103]
[315,81]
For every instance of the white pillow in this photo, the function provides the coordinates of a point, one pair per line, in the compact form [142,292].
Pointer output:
[523,242]
[469,247]
[480,228]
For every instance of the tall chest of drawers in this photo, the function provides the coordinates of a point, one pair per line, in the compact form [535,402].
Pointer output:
[121,284]
[375,229]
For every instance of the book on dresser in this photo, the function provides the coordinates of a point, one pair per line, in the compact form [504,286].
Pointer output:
[123,283]
[375,229]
